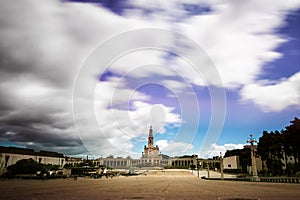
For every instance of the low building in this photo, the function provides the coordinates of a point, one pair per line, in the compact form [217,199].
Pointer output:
[11,155]
[74,162]
[239,160]
[118,162]
[232,163]
[183,161]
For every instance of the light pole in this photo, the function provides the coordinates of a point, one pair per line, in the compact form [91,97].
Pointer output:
[251,140]
[208,175]
[198,166]
[221,166]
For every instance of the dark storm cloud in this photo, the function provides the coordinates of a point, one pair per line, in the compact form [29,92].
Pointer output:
[36,75]
[30,136]
[42,47]
[39,130]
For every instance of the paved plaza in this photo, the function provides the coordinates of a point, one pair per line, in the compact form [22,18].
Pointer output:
[155,185]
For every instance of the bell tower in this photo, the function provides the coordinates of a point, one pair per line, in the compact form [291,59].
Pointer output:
[150,156]
[150,137]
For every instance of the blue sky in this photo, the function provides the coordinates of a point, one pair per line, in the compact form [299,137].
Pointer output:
[89,77]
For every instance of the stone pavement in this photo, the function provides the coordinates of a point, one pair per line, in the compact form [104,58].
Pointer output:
[212,174]
[155,185]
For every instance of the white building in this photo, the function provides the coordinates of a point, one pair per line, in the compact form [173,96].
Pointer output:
[151,155]
[183,161]
[119,163]
[232,163]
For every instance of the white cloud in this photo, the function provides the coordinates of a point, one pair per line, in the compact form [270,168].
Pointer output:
[175,86]
[116,115]
[135,122]
[275,96]
[141,63]
[216,149]
[239,37]
[162,144]
[42,46]
[173,148]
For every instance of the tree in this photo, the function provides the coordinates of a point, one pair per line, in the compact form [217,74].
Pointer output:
[274,147]
[292,141]
[25,166]
[29,166]
[270,149]
[245,158]
[263,144]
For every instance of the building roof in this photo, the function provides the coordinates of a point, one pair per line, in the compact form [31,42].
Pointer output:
[16,150]
[25,151]
[50,154]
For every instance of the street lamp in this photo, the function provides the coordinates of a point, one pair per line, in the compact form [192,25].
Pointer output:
[198,165]
[221,166]
[208,175]
[251,140]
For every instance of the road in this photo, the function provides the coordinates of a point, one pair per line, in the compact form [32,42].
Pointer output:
[160,185]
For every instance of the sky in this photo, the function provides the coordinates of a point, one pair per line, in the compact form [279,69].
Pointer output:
[90,77]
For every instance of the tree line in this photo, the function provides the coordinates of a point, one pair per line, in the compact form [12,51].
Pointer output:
[280,150]
[29,166]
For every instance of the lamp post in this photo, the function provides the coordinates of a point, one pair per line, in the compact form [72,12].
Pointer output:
[221,166]
[251,140]
[208,175]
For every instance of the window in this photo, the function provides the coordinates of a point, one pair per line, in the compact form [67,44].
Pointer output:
[229,165]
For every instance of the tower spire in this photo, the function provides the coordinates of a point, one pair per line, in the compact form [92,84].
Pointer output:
[150,137]
[150,131]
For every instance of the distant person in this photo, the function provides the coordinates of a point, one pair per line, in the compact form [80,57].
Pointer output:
[105,172]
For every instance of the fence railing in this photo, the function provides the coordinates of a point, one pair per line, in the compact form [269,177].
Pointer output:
[280,179]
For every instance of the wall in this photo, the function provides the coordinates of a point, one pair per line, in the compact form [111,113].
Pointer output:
[231,162]
[7,159]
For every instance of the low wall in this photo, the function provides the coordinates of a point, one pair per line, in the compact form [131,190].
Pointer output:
[280,179]
[262,179]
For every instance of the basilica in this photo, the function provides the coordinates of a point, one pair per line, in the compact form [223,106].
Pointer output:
[151,155]
[151,158]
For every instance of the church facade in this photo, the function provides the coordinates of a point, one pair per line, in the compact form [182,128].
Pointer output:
[151,155]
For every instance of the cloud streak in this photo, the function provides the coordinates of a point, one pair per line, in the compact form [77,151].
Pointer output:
[43,44]
[274,96]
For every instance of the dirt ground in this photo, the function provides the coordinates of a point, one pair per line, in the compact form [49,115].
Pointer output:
[160,185]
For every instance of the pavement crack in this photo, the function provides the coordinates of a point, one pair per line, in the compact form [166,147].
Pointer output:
[166,188]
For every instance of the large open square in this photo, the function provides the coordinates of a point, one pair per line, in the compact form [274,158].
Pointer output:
[148,92]
[160,185]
